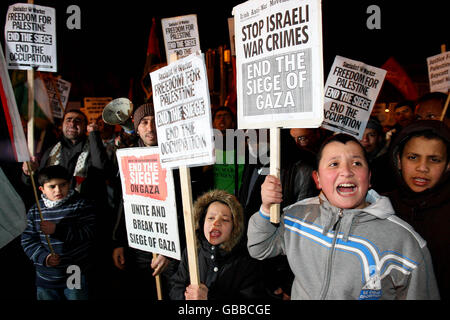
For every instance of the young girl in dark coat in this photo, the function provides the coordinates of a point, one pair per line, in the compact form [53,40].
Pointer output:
[226,270]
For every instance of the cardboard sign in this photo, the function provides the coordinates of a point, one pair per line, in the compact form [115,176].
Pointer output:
[439,72]
[183,113]
[93,107]
[58,94]
[180,36]
[30,36]
[149,202]
[351,90]
[279,63]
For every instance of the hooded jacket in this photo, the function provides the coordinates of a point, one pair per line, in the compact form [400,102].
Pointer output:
[428,212]
[350,254]
[227,270]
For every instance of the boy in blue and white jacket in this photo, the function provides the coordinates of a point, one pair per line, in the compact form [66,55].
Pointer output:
[347,242]
[68,221]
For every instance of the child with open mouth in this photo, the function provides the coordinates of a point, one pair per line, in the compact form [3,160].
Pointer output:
[225,268]
[422,195]
[346,243]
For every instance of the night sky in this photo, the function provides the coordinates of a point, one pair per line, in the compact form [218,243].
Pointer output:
[110,48]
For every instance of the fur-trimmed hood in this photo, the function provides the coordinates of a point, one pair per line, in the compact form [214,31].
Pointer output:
[201,206]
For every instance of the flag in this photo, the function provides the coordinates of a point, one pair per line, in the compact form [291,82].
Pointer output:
[12,116]
[152,61]
[398,77]
[41,98]
[13,214]
[43,117]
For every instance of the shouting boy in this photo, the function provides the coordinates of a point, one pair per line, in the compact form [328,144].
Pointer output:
[347,242]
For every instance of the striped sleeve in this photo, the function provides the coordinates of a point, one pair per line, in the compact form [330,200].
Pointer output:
[78,228]
[31,239]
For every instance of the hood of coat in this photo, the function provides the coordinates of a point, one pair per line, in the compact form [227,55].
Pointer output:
[434,126]
[201,206]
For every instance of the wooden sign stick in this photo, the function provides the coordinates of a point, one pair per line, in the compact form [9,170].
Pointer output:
[445,107]
[158,282]
[191,242]
[38,205]
[189,227]
[30,124]
[275,169]
[444,49]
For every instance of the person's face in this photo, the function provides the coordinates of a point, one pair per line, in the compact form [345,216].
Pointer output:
[147,131]
[223,120]
[423,162]
[343,175]
[404,116]
[55,189]
[74,126]
[429,110]
[370,140]
[303,137]
[218,223]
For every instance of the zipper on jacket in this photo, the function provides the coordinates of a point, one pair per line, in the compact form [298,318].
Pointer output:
[336,228]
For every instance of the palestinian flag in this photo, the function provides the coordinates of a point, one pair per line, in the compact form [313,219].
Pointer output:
[12,135]
[152,61]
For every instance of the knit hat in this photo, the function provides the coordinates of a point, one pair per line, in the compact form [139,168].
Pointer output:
[144,110]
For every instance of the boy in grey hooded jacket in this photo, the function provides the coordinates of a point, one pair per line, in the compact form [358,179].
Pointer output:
[347,242]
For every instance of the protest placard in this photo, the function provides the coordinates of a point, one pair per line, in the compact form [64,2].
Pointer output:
[183,113]
[351,90]
[93,107]
[180,36]
[279,63]
[149,202]
[439,72]
[30,37]
[58,94]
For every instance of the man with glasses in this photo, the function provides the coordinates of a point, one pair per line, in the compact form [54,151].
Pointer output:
[306,138]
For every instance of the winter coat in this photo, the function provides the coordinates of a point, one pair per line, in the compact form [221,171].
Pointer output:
[228,275]
[428,212]
[227,269]
[347,254]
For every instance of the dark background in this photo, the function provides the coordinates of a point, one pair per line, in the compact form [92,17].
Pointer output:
[110,49]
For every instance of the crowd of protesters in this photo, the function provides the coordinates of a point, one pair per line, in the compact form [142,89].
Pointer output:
[359,219]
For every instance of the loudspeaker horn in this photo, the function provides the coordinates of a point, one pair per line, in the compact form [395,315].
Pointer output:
[119,111]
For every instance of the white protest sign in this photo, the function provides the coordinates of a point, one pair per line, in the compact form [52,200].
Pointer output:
[183,113]
[58,93]
[149,202]
[30,36]
[351,90]
[180,36]
[439,72]
[279,63]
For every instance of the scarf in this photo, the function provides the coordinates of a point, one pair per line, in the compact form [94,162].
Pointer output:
[80,171]
[51,204]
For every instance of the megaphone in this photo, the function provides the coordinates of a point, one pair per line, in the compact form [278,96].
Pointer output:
[119,111]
